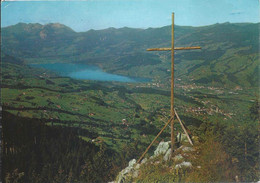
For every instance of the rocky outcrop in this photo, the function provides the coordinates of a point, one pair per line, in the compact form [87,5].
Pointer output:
[131,170]
[161,154]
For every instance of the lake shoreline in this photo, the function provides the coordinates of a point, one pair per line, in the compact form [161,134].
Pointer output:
[87,72]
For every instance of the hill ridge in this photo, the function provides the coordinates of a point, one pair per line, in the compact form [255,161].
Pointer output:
[229,52]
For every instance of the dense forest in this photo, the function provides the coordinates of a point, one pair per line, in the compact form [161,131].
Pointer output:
[35,152]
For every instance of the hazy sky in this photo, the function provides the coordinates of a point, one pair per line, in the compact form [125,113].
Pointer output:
[100,14]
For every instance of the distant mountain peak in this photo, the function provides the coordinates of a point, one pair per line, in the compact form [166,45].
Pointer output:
[31,27]
[57,26]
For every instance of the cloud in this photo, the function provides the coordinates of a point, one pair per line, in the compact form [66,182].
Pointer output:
[236,12]
[6,5]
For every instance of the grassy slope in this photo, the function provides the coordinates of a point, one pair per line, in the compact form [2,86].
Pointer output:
[100,107]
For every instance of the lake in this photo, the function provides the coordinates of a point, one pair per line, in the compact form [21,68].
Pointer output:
[88,72]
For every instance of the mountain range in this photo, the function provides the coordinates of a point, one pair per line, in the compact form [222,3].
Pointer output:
[229,56]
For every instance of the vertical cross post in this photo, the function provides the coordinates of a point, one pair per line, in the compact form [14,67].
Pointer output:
[172,87]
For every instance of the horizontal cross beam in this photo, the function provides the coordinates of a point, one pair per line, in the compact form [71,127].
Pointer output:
[176,48]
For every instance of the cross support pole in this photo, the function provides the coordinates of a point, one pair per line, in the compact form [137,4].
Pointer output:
[171,119]
[183,127]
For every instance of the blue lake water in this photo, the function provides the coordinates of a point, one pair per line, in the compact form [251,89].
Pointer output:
[88,72]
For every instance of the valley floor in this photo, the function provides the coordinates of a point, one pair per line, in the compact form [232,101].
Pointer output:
[121,114]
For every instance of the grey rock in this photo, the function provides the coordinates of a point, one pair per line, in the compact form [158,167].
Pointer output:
[187,149]
[144,160]
[157,162]
[182,137]
[123,174]
[183,164]
[162,148]
[179,135]
[132,162]
[135,173]
[120,178]
[130,167]
[167,155]
[178,157]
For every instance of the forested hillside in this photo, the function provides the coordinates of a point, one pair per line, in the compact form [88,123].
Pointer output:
[229,54]
[34,152]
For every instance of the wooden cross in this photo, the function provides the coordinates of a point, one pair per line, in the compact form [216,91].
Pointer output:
[173,111]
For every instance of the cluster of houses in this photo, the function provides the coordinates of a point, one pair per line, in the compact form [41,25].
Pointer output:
[210,111]
[194,86]
[44,75]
